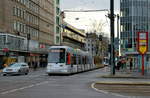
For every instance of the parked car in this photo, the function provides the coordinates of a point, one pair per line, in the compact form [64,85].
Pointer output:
[16,68]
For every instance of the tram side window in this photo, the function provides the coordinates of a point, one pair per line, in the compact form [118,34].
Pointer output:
[87,60]
[83,60]
[79,58]
[73,59]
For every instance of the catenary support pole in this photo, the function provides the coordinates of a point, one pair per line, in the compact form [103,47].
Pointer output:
[112,55]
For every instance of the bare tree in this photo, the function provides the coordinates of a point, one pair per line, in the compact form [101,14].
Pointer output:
[102,44]
[97,27]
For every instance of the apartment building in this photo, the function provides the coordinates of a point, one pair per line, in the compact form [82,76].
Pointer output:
[72,36]
[26,29]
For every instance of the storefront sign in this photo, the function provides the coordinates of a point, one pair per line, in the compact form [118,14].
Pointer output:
[5,49]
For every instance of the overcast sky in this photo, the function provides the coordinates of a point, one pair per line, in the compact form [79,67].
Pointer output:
[88,4]
[85,19]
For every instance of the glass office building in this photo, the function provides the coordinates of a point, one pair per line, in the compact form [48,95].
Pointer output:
[134,17]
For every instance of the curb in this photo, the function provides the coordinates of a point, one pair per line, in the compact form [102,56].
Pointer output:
[123,83]
[105,92]
[124,76]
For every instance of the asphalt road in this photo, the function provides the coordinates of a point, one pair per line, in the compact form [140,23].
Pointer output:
[39,85]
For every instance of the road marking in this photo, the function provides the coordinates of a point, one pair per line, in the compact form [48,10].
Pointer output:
[105,92]
[22,88]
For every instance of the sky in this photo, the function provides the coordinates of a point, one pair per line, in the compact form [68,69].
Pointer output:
[84,20]
[88,4]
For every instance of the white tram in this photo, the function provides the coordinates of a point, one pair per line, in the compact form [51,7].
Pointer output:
[66,60]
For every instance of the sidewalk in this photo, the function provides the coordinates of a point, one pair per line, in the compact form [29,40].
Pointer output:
[123,83]
[125,74]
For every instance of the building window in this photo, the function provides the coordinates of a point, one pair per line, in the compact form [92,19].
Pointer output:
[57,39]
[18,26]
[57,20]
[15,25]
[57,30]
[57,11]
[57,2]
[14,11]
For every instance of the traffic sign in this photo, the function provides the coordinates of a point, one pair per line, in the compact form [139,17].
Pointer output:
[142,42]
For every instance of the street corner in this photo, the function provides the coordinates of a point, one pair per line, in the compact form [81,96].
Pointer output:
[99,90]
[122,88]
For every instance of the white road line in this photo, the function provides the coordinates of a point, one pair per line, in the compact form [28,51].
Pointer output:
[22,88]
[105,92]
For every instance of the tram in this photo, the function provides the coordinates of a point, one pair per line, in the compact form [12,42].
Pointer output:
[66,60]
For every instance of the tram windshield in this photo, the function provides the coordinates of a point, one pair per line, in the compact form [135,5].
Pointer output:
[56,56]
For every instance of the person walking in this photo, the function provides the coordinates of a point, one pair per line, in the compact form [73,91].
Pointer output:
[35,66]
[119,65]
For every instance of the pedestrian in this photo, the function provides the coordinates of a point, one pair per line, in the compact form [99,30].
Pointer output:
[40,62]
[122,63]
[35,66]
[119,65]
[131,64]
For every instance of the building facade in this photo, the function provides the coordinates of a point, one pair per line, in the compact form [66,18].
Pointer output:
[26,29]
[135,17]
[58,23]
[97,45]
[72,36]
[93,44]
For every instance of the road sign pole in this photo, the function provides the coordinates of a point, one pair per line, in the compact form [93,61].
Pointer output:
[142,46]
[142,64]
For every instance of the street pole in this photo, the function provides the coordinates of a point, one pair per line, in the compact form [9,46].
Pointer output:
[112,37]
[142,64]
[118,27]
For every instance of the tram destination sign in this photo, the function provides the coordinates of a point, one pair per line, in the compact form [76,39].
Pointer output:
[142,42]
